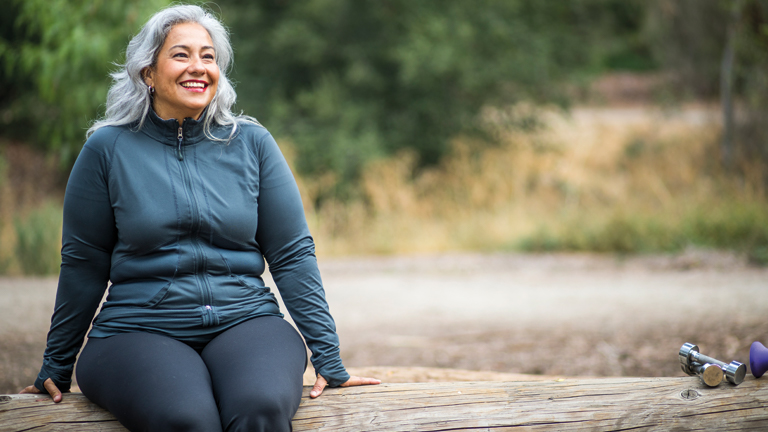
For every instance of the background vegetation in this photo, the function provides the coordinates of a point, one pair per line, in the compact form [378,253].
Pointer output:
[591,125]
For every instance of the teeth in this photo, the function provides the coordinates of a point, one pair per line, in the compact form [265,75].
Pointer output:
[193,84]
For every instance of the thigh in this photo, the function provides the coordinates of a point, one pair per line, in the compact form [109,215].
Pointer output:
[257,370]
[149,383]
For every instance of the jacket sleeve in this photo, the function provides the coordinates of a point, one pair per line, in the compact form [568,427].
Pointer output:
[88,236]
[287,245]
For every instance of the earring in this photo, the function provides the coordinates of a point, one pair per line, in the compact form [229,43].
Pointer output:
[151,89]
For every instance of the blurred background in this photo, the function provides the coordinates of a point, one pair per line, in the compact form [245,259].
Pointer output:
[423,126]
[494,131]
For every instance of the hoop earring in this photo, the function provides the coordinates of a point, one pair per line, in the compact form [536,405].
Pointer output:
[151,89]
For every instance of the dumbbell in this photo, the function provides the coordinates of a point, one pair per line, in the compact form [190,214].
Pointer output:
[690,356]
[710,374]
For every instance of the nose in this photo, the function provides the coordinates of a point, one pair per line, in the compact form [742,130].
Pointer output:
[196,66]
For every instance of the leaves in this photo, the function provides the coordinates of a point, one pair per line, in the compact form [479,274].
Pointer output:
[63,51]
[349,80]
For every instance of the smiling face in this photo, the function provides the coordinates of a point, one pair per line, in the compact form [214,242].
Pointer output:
[185,74]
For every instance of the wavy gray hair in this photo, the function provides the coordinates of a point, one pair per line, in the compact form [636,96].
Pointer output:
[128,99]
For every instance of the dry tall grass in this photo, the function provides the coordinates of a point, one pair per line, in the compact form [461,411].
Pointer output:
[609,179]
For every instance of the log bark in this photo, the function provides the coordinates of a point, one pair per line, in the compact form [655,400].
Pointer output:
[594,404]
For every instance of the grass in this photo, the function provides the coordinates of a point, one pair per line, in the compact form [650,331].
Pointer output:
[612,180]
[735,225]
[30,212]
[624,180]
[38,240]
[31,244]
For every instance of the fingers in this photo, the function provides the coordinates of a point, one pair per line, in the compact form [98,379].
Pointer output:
[320,384]
[357,381]
[50,387]
[29,389]
[52,390]
[317,390]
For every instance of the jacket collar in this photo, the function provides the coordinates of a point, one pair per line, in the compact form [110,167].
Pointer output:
[167,131]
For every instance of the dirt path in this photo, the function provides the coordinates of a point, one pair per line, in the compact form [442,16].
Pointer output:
[551,314]
[540,314]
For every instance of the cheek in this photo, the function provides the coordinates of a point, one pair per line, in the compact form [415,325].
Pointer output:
[214,82]
[214,72]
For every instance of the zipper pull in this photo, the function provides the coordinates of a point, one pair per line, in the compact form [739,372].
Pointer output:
[178,149]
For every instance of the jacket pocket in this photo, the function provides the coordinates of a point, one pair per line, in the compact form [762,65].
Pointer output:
[250,286]
[138,294]
[159,297]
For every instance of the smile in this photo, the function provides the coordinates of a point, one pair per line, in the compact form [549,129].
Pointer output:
[194,85]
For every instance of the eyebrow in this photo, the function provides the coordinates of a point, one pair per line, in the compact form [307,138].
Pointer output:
[187,48]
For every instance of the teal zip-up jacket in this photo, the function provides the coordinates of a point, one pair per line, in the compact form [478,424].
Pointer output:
[181,225]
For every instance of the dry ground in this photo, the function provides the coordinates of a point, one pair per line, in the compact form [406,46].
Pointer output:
[563,315]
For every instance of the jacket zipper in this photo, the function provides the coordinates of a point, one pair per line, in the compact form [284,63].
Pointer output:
[209,318]
[180,138]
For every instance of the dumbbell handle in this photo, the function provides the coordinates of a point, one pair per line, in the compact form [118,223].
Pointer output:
[701,358]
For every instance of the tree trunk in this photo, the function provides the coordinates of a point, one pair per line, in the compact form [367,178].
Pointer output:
[726,87]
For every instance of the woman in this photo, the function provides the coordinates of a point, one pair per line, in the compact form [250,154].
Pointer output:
[177,203]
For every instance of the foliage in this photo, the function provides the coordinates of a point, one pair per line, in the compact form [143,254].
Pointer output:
[350,80]
[55,56]
[689,39]
[5,217]
[38,240]
[365,91]
[734,225]
[347,81]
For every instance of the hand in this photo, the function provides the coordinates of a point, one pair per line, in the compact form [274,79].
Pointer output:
[49,386]
[320,384]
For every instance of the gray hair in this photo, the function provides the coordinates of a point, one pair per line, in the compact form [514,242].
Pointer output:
[129,100]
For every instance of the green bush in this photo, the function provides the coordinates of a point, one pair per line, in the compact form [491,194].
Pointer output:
[741,227]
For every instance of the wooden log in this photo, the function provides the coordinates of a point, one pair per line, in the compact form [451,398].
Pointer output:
[594,404]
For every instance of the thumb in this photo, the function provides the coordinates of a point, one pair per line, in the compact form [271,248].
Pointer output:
[52,390]
[317,390]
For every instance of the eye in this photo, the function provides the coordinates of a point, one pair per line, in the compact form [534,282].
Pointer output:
[180,55]
[208,56]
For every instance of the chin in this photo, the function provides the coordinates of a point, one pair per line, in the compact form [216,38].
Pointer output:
[197,107]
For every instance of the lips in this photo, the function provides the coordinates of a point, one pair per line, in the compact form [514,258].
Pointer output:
[195,85]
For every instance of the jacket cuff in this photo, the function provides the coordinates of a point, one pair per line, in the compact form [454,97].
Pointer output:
[336,375]
[61,377]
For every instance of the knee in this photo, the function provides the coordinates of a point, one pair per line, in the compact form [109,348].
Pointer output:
[260,413]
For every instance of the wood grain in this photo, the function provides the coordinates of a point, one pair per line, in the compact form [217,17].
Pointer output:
[570,404]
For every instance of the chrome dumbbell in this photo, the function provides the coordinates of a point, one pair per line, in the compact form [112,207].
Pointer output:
[691,358]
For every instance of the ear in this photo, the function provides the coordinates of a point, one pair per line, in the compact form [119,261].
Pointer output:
[146,74]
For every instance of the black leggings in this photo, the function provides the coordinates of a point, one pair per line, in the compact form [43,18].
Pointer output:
[248,378]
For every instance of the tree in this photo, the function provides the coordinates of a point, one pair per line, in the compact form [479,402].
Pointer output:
[720,48]
[55,57]
[351,80]
[345,80]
